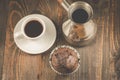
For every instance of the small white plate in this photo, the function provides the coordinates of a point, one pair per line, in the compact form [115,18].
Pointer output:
[39,45]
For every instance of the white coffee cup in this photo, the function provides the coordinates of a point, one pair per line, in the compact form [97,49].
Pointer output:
[34,34]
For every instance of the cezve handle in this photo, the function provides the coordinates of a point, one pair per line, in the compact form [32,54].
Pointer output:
[65,4]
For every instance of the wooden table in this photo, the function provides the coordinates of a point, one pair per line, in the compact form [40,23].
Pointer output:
[100,60]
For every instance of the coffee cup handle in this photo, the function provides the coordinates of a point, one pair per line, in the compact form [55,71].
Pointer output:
[65,4]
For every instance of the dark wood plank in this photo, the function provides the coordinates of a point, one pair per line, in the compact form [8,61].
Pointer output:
[99,61]
[116,53]
[3,22]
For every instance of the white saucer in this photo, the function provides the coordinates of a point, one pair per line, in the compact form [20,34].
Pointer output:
[38,45]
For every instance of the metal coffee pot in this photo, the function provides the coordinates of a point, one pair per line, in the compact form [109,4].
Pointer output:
[79,29]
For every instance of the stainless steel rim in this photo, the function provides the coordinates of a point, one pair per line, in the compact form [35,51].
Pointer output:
[82,5]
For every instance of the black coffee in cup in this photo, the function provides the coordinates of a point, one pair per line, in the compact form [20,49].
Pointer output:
[80,16]
[33,28]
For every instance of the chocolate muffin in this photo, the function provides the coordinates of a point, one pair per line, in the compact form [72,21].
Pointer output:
[64,60]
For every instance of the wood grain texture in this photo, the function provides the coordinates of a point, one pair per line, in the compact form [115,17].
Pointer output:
[100,60]
[3,22]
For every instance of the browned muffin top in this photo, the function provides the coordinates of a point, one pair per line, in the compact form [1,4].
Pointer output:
[64,60]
